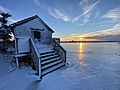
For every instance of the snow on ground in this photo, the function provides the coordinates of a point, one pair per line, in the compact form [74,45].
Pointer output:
[17,80]
[14,79]
[4,64]
[98,71]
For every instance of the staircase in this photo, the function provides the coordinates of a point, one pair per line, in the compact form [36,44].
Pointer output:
[50,61]
[47,58]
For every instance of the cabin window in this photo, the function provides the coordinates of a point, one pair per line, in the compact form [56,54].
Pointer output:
[37,36]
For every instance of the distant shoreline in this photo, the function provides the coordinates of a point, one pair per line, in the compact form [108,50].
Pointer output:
[89,41]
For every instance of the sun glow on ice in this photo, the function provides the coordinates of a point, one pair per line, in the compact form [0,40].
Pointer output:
[81,50]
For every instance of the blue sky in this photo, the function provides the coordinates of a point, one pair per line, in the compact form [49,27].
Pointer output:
[67,17]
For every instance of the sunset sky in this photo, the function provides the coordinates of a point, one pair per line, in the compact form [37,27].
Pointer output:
[89,18]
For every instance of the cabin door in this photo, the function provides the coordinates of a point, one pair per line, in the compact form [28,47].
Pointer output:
[37,36]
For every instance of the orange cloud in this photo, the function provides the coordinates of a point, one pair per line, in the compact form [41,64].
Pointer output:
[95,36]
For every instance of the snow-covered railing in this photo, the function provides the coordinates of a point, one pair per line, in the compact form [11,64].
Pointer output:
[36,57]
[60,50]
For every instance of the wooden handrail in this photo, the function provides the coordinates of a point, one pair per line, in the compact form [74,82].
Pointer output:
[60,50]
[59,45]
[36,56]
[36,51]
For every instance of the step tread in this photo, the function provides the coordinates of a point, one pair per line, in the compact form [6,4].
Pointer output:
[48,54]
[50,57]
[51,60]
[52,69]
[51,64]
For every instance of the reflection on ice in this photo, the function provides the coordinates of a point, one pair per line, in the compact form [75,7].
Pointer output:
[81,55]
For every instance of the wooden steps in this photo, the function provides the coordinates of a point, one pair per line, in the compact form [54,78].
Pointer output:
[50,61]
[49,70]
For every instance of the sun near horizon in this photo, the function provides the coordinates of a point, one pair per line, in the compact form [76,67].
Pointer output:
[76,38]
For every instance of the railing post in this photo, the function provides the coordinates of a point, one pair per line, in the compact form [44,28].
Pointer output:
[40,74]
[65,57]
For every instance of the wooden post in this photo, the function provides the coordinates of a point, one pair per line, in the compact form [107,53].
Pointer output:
[16,51]
[17,62]
[40,75]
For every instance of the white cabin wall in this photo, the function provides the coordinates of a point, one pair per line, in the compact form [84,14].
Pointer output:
[25,30]
[22,31]
[46,36]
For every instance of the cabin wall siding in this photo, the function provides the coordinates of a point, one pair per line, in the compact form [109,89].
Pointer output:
[24,30]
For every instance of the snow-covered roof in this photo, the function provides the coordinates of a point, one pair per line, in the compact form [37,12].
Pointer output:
[29,19]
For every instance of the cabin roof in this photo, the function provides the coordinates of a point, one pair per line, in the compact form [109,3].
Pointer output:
[30,19]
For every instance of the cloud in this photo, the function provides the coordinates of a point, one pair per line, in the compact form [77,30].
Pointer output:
[113,31]
[112,34]
[111,18]
[3,9]
[87,9]
[53,11]
[104,23]
[58,14]
[56,11]
[113,14]
[97,14]
[37,2]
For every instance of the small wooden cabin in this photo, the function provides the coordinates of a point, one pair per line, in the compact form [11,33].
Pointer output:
[33,37]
